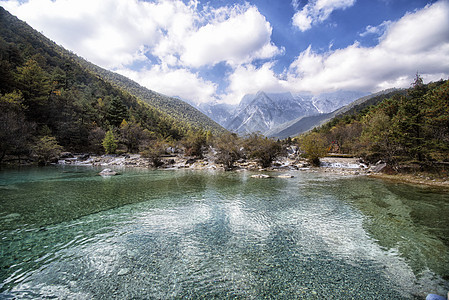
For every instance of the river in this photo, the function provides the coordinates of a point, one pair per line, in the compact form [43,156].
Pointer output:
[66,232]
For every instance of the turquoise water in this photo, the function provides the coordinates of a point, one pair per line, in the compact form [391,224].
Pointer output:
[67,233]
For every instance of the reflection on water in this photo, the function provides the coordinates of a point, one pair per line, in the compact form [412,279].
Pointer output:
[68,233]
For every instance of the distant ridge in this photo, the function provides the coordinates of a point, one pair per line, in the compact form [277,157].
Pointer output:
[265,112]
[304,124]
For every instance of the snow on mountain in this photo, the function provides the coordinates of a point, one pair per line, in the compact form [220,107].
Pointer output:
[263,111]
[219,112]
[328,102]
[266,112]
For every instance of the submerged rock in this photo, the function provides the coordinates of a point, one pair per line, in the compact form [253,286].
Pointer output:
[107,172]
[286,176]
[261,176]
[123,271]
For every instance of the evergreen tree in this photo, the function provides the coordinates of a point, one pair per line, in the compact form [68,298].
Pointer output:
[409,120]
[436,116]
[117,112]
[110,142]
[15,130]
[34,82]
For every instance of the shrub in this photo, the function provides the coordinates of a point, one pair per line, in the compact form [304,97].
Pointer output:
[46,149]
[314,147]
[110,142]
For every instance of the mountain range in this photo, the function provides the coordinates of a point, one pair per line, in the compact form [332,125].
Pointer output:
[272,113]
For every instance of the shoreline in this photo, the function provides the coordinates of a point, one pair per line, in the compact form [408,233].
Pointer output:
[344,166]
[423,180]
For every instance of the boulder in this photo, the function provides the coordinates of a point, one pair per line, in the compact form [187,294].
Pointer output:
[123,271]
[107,172]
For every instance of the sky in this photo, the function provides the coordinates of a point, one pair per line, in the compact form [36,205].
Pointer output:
[217,50]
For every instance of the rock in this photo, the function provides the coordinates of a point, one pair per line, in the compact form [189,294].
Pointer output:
[292,150]
[190,161]
[123,271]
[171,150]
[261,176]
[379,167]
[84,157]
[65,155]
[169,161]
[107,172]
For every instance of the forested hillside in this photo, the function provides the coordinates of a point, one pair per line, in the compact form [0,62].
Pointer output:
[175,108]
[410,128]
[51,98]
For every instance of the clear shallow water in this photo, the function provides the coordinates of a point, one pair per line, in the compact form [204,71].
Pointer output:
[67,233]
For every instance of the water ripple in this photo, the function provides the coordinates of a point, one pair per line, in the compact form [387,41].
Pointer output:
[230,237]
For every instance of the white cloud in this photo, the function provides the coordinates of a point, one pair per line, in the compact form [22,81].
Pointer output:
[174,82]
[376,30]
[110,33]
[317,11]
[247,79]
[177,36]
[419,41]
[241,38]
[407,46]
[180,39]
[420,32]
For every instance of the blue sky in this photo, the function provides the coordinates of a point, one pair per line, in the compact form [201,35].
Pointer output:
[221,50]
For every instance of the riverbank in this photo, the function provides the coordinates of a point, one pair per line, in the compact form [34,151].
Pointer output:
[345,166]
[418,179]
[342,165]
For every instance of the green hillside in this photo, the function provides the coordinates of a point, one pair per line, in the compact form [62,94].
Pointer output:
[175,108]
[409,128]
[49,92]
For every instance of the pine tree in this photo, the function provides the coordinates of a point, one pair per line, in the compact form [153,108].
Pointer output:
[117,112]
[410,119]
[34,84]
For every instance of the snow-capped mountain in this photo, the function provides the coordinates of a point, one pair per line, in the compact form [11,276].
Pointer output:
[303,124]
[263,111]
[219,112]
[328,102]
